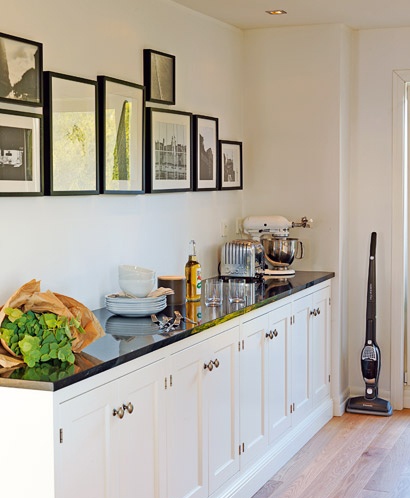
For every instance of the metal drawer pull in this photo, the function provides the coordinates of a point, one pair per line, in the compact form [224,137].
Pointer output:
[129,407]
[270,335]
[118,413]
[211,364]
[275,333]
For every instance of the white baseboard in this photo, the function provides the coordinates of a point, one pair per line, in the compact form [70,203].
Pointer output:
[250,480]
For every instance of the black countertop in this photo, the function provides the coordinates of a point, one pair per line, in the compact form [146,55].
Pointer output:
[128,338]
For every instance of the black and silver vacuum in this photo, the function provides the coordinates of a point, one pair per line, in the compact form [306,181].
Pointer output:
[370,403]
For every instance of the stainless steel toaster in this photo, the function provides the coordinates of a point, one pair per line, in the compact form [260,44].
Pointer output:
[242,258]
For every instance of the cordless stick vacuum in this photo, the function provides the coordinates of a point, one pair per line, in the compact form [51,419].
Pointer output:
[370,403]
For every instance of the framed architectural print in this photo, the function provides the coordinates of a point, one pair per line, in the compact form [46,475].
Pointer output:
[21,71]
[21,158]
[122,136]
[206,154]
[159,77]
[169,151]
[231,165]
[70,139]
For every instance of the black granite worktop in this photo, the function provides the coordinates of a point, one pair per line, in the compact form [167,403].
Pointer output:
[129,338]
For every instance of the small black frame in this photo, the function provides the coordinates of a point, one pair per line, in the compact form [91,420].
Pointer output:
[70,135]
[206,152]
[21,71]
[159,77]
[231,168]
[21,153]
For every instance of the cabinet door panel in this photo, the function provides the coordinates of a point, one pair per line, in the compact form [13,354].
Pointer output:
[140,435]
[301,359]
[187,454]
[222,385]
[86,449]
[320,345]
[253,388]
[279,381]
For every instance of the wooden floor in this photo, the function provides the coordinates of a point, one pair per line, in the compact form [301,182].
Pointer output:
[353,456]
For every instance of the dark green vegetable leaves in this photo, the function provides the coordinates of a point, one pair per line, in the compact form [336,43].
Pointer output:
[39,337]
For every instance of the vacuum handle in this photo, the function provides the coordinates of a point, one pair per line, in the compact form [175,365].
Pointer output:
[373,245]
[371,283]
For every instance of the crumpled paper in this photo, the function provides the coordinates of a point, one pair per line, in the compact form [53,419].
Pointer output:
[29,297]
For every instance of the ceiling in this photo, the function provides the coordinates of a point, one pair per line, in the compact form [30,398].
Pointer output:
[357,14]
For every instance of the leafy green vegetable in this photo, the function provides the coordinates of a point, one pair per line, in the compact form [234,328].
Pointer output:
[39,337]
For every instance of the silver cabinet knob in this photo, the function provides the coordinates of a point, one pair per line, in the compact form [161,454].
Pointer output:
[129,407]
[118,413]
[209,366]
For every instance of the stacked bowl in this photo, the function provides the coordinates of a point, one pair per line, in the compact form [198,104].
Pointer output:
[135,280]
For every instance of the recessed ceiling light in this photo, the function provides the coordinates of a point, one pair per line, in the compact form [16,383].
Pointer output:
[276,12]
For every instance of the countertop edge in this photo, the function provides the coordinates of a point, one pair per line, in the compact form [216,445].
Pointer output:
[168,340]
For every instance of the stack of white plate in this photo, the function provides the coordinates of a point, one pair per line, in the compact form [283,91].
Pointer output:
[136,307]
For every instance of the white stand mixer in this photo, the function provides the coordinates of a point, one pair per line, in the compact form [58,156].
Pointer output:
[273,233]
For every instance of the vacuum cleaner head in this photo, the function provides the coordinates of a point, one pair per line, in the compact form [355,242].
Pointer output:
[376,406]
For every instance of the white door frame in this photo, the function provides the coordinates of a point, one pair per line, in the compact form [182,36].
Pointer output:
[398,234]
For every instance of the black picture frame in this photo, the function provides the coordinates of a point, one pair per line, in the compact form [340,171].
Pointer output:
[169,151]
[21,71]
[70,135]
[231,167]
[206,152]
[159,76]
[21,153]
[122,136]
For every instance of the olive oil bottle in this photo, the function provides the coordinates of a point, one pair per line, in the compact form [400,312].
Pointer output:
[193,275]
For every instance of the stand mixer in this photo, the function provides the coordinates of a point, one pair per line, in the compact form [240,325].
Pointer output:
[273,233]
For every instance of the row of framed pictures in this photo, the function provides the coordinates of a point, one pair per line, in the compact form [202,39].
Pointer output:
[99,137]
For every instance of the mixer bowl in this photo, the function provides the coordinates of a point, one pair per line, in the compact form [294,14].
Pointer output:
[281,251]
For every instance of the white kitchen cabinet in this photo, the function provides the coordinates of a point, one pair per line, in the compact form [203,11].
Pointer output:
[320,335]
[203,417]
[279,371]
[213,415]
[284,369]
[222,394]
[187,463]
[253,388]
[301,359]
[112,438]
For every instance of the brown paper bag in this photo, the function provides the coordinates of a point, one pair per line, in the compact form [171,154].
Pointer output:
[29,297]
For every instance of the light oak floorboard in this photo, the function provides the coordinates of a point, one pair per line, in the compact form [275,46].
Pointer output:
[353,456]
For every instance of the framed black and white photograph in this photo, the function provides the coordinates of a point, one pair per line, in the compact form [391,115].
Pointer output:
[21,71]
[230,165]
[71,135]
[21,159]
[122,136]
[159,77]
[206,170]
[169,151]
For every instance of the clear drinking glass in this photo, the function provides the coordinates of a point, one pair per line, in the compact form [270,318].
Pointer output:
[213,292]
[236,290]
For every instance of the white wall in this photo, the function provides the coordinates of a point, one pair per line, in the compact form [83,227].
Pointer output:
[74,244]
[378,53]
[297,102]
[309,90]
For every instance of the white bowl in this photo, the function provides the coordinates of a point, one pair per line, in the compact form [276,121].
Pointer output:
[137,287]
[129,272]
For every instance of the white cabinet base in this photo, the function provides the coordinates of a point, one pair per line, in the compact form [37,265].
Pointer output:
[251,480]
